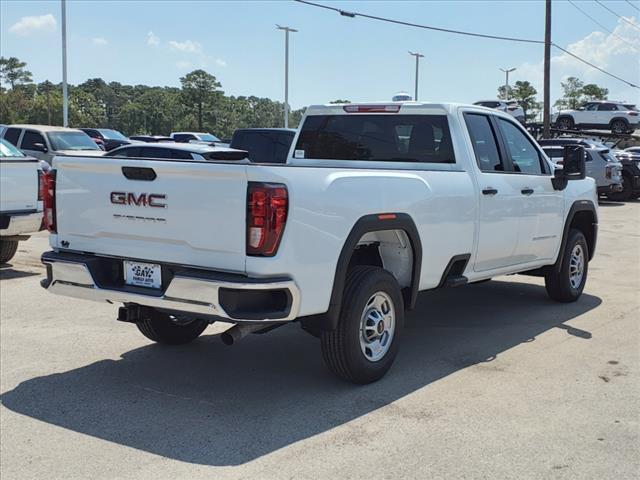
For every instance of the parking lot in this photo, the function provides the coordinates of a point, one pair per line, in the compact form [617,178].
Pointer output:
[493,381]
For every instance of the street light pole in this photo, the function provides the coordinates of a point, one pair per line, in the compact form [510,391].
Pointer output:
[418,57]
[507,72]
[286,72]
[65,94]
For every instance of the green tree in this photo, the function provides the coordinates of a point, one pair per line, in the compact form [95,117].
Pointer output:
[13,72]
[572,93]
[199,89]
[525,94]
[593,92]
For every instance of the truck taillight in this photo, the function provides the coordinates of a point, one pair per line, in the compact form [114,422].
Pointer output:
[267,206]
[48,189]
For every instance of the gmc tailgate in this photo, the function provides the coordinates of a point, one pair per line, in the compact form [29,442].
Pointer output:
[185,213]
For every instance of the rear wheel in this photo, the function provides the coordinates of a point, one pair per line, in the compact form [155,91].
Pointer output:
[364,345]
[565,123]
[8,249]
[624,194]
[169,329]
[566,285]
[619,126]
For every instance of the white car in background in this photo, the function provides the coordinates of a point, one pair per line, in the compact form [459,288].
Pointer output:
[509,106]
[619,117]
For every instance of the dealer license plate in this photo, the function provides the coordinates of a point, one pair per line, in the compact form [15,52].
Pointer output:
[142,274]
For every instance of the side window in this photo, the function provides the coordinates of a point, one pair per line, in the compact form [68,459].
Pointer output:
[524,155]
[607,107]
[12,135]
[30,139]
[130,152]
[179,154]
[184,137]
[591,107]
[153,152]
[484,143]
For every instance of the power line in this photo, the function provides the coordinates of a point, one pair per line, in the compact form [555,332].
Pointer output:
[352,14]
[619,16]
[632,5]
[602,26]
[596,67]
[346,13]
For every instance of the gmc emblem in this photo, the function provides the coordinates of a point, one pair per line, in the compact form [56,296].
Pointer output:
[155,200]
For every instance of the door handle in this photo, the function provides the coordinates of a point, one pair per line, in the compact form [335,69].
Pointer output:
[489,191]
[527,191]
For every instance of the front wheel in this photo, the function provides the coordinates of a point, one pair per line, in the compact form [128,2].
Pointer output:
[8,249]
[567,284]
[565,123]
[364,345]
[169,329]
[619,127]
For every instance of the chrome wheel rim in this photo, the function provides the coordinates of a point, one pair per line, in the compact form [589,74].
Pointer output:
[377,326]
[576,266]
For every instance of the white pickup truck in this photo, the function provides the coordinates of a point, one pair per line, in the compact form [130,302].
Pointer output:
[376,203]
[20,202]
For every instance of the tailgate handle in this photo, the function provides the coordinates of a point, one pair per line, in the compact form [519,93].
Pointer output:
[139,173]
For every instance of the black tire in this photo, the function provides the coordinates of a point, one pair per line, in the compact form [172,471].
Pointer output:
[619,126]
[623,195]
[341,348]
[565,123]
[558,284]
[163,328]
[8,249]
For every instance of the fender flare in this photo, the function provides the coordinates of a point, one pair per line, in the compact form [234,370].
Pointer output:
[578,206]
[367,224]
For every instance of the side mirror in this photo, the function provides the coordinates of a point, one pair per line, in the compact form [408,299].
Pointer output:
[573,162]
[573,167]
[40,147]
[581,109]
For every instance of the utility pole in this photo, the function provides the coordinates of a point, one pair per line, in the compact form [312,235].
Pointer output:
[65,93]
[418,57]
[286,72]
[546,111]
[507,72]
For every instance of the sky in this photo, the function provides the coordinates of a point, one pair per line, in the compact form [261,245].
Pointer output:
[331,56]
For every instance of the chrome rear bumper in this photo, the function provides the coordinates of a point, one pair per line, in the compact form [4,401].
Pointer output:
[188,291]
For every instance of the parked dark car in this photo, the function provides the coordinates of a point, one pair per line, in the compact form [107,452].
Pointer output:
[178,151]
[630,166]
[107,137]
[265,145]
[151,138]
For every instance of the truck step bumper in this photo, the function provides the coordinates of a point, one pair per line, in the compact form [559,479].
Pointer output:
[13,224]
[201,293]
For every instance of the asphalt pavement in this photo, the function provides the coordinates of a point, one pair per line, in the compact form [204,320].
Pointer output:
[493,381]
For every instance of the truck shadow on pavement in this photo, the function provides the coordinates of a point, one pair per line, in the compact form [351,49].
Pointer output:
[209,404]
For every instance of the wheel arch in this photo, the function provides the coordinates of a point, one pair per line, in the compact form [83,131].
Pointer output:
[584,217]
[366,225]
[615,119]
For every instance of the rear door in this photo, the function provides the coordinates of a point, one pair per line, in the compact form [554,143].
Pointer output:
[499,196]
[180,212]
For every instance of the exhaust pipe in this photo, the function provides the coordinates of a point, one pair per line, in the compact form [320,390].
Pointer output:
[238,332]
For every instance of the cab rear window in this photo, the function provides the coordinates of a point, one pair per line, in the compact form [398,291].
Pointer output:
[379,138]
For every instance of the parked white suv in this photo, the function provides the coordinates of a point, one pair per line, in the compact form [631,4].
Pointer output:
[375,203]
[619,117]
[509,106]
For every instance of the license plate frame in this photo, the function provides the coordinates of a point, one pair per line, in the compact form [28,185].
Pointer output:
[142,274]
